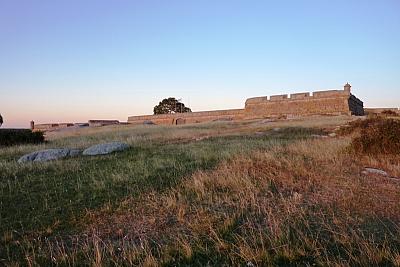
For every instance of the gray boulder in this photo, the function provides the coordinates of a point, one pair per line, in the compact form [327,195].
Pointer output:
[49,154]
[103,149]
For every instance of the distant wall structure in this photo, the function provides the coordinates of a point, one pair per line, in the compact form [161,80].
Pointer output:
[50,126]
[99,123]
[332,102]
[189,117]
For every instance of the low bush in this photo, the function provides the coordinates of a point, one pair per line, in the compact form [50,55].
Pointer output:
[376,136]
[9,137]
[390,113]
[359,125]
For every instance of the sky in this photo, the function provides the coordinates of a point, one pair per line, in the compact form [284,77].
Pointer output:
[74,60]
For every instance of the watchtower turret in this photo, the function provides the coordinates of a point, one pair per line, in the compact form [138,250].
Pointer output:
[347,87]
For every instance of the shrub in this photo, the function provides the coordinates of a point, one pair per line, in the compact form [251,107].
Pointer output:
[9,137]
[389,112]
[359,125]
[377,136]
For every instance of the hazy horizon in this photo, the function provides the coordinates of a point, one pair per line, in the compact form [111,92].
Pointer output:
[69,61]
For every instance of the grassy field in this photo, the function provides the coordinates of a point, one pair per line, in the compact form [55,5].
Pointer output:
[251,193]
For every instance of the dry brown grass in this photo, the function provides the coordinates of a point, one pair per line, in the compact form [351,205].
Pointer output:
[140,133]
[302,204]
[285,204]
[374,136]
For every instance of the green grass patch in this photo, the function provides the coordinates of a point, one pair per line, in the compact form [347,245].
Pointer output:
[44,200]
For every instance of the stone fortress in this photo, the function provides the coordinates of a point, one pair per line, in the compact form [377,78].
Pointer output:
[332,102]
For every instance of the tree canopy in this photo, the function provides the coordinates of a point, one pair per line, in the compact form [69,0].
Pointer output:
[1,120]
[170,105]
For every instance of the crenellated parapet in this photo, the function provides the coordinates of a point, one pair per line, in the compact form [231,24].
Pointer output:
[332,102]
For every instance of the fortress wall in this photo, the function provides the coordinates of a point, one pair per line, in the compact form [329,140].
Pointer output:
[254,100]
[278,97]
[299,96]
[332,102]
[330,93]
[298,107]
[189,117]
[356,106]
[51,126]
[302,104]
[99,123]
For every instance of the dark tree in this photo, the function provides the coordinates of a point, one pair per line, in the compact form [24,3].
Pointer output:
[1,120]
[170,105]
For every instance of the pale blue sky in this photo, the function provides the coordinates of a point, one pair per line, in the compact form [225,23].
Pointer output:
[77,60]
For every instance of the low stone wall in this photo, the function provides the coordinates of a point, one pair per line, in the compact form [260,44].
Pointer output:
[51,126]
[99,123]
[189,117]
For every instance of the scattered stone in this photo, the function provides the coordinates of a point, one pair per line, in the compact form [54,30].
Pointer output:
[367,171]
[103,149]
[49,154]
[276,129]
[332,135]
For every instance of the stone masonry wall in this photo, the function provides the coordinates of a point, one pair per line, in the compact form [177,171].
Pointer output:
[51,126]
[190,117]
[332,102]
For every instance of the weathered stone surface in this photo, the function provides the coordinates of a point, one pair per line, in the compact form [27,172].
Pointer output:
[49,154]
[103,149]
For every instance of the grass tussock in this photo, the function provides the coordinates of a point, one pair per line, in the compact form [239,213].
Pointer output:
[374,136]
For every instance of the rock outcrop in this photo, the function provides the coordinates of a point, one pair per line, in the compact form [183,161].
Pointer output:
[49,154]
[103,149]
